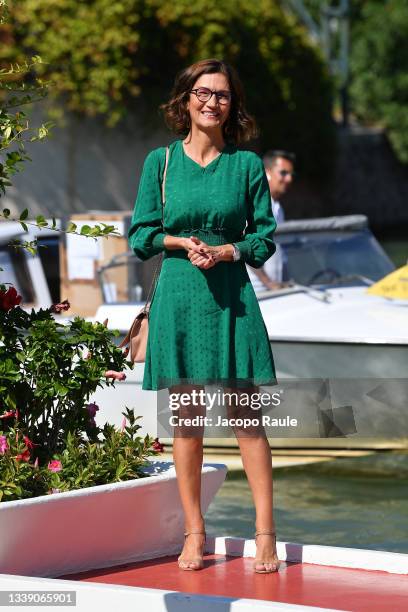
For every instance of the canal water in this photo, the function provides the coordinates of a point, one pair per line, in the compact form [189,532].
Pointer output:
[353,502]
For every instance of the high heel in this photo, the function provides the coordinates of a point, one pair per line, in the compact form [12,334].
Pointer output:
[274,564]
[198,561]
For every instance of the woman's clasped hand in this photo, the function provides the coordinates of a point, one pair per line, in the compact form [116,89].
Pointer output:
[201,254]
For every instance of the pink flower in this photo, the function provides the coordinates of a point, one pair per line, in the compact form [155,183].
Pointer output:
[8,415]
[55,465]
[3,445]
[123,424]
[36,463]
[58,308]
[157,446]
[92,410]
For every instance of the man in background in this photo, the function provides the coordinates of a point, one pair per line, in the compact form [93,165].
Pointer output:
[279,168]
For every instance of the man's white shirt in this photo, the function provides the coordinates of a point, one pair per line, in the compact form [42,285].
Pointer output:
[273,267]
[277,211]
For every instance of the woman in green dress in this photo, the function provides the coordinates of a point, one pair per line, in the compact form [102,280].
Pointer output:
[205,325]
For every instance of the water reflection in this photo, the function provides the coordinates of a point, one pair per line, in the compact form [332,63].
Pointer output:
[360,502]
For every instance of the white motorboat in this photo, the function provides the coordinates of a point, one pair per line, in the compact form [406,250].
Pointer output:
[324,324]
[335,329]
[339,332]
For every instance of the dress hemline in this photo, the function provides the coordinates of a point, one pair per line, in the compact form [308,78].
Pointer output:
[236,383]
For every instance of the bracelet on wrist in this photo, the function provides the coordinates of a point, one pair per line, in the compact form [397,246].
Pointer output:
[236,253]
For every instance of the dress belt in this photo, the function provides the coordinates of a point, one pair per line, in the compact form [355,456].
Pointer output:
[213,236]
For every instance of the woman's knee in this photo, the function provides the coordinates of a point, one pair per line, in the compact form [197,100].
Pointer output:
[188,412]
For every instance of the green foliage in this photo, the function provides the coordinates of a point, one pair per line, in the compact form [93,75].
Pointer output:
[95,231]
[15,130]
[17,91]
[46,374]
[101,55]
[18,478]
[380,70]
[49,440]
[89,47]
[121,455]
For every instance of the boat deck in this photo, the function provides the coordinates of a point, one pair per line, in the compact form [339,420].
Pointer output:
[231,579]
[311,578]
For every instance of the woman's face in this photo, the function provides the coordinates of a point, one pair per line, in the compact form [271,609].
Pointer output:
[210,114]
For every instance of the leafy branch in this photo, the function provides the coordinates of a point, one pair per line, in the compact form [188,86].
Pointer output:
[96,231]
[19,86]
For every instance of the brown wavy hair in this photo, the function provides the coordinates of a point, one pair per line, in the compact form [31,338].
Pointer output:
[240,125]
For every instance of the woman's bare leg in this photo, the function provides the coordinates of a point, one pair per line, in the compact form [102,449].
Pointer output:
[257,461]
[188,459]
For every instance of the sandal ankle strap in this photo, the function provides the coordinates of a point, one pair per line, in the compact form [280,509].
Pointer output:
[187,533]
[265,533]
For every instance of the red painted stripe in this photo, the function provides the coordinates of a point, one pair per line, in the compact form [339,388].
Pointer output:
[304,584]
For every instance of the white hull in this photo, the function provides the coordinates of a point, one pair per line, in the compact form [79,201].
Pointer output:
[313,359]
[100,526]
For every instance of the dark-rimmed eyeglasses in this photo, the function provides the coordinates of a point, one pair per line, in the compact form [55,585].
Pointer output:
[204,95]
[284,173]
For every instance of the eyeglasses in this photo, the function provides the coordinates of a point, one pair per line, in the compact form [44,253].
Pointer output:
[204,95]
[284,173]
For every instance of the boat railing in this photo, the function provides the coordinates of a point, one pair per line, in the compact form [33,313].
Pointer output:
[315,292]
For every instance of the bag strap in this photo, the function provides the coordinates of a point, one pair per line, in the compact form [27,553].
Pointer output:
[159,262]
[163,191]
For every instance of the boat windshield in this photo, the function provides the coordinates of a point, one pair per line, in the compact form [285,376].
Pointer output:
[324,257]
[310,258]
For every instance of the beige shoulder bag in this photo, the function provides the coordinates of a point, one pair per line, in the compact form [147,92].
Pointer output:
[136,338]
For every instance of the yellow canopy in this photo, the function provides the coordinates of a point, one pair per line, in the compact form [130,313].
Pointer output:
[394,285]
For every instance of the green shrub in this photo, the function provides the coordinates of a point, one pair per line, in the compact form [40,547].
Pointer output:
[120,455]
[49,439]
[379,64]
[100,56]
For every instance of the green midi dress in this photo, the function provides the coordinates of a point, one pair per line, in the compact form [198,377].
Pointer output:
[205,326]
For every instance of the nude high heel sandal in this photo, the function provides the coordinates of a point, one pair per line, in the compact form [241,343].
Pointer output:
[275,564]
[198,561]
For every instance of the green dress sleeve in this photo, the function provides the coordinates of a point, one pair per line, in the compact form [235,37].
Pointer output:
[258,245]
[146,231]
